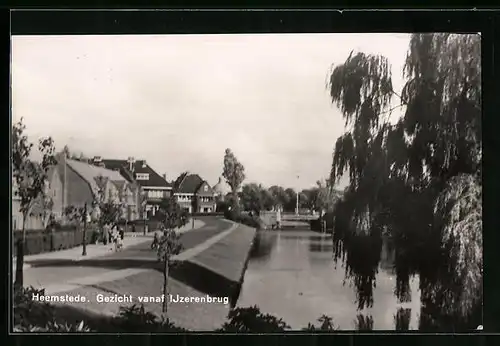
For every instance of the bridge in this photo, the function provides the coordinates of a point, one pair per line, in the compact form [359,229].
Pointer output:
[269,218]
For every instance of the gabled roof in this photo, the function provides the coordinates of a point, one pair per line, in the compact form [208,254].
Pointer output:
[190,184]
[209,189]
[89,172]
[139,167]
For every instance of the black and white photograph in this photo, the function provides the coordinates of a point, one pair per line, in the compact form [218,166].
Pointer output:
[246,183]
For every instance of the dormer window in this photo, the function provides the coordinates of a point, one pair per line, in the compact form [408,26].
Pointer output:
[142,176]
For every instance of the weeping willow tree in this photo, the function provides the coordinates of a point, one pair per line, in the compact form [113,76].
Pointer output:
[415,181]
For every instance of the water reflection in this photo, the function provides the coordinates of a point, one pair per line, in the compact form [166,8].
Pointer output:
[291,274]
[402,319]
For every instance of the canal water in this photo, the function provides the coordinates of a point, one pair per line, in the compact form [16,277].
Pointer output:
[291,274]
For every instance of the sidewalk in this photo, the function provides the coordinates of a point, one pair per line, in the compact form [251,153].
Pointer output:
[97,250]
[124,273]
[93,250]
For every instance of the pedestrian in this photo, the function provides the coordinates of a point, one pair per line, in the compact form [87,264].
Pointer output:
[119,239]
[105,233]
[278,219]
[115,238]
[114,229]
[156,239]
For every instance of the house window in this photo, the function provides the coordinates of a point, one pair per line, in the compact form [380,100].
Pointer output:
[155,194]
[142,176]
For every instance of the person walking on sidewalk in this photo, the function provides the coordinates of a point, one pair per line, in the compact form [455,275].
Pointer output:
[156,239]
[105,233]
[115,236]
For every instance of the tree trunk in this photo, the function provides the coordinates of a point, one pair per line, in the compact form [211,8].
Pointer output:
[165,288]
[144,216]
[20,256]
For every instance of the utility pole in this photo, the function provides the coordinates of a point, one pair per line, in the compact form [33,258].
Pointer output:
[84,243]
[297,202]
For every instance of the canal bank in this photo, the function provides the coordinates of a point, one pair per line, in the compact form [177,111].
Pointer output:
[220,269]
[216,270]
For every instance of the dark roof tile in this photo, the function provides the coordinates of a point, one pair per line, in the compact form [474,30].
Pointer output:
[154,178]
[190,184]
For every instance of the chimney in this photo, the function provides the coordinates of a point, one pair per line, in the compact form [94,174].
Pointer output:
[164,175]
[131,162]
[220,180]
[144,164]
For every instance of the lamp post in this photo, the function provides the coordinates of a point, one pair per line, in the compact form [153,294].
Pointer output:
[297,202]
[84,243]
[144,203]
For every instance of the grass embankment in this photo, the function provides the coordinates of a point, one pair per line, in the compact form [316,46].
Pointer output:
[217,271]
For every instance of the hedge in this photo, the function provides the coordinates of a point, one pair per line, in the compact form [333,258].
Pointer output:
[243,218]
[207,214]
[41,241]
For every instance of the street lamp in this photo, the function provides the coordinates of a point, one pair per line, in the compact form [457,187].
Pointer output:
[144,203]
[297,202]
[84,243]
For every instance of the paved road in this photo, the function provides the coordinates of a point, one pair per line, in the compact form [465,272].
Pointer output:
[49,272]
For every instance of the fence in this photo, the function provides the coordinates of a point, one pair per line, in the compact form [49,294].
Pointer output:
[41,241]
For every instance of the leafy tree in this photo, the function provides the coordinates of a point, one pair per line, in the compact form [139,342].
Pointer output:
[268,201]
[407,178]
[251,198]
[75,215]
[327,196]
[251,319]
[291,197]
[47,209]
[307,199]
[326,324]
[30,178]
[110,208]
[279,196]
[143,202]
[234,173]
[171,217]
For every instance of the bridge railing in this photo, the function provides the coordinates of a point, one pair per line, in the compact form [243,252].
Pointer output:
[293,217]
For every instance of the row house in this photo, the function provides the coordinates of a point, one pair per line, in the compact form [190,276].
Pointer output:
[85,182]
[195,195]
[51,203]
[153,186]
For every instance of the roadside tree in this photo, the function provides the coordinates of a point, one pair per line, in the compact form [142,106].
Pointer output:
[171,217]
[30,178]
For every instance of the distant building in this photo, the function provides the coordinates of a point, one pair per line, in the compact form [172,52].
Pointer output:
[154,186]
[195,195]
[221,189]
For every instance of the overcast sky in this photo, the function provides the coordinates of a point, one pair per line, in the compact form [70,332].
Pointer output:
[179,101]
